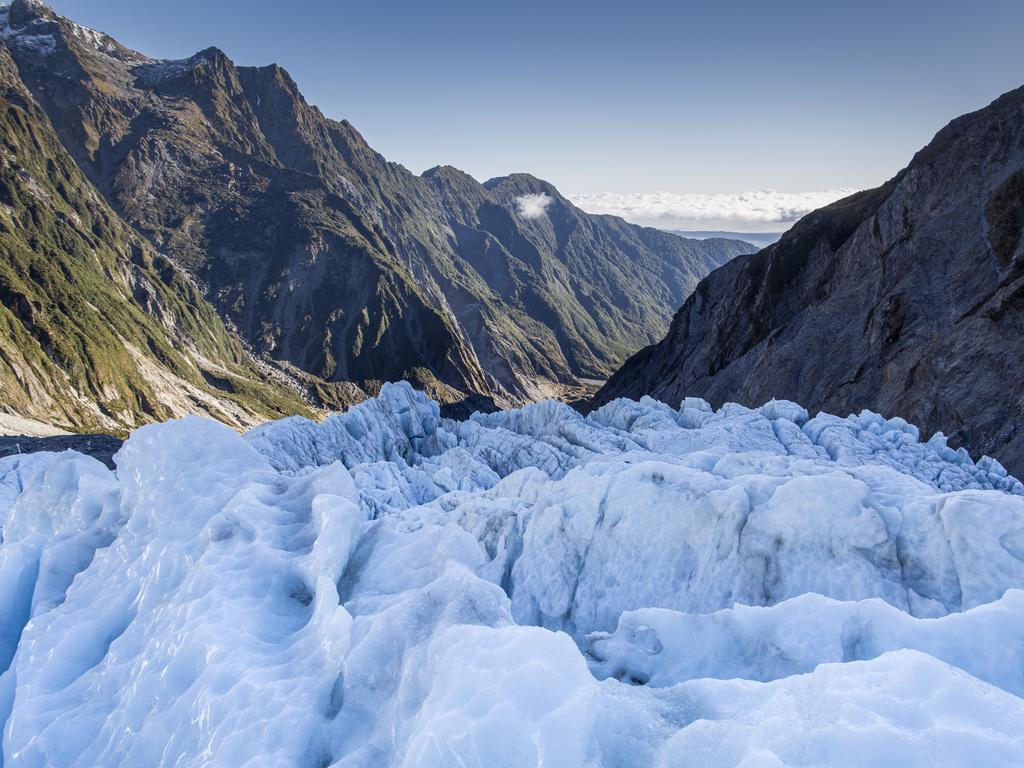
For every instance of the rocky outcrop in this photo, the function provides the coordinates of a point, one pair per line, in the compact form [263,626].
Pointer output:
[906,300]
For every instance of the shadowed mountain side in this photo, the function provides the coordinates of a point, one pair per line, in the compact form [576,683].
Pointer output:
[905,300]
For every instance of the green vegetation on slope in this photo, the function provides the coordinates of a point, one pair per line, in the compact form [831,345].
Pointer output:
[96,325]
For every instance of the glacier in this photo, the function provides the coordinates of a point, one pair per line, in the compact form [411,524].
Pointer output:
[640,586]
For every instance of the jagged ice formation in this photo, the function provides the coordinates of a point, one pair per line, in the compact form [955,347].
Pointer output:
[641,586]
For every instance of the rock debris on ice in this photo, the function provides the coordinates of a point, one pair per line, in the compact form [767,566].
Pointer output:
[642,586]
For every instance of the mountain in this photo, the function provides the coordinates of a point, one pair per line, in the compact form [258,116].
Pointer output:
[101,332]
[758,239]
[331,261]
[906,299]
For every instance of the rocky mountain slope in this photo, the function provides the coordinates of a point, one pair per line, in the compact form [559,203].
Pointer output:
[906,300]
[100,332]
[326,257]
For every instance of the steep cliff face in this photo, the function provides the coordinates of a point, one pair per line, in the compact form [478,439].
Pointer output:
[327,257]
[100,332]
[906,300]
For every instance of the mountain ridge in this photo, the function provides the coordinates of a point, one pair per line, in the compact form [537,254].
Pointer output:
[329,260]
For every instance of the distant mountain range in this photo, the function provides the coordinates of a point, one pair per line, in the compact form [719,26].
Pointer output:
[192,236]
[759,239]
[907,300]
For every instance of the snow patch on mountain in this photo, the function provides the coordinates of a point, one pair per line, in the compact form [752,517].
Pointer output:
[644,586]
[35,35]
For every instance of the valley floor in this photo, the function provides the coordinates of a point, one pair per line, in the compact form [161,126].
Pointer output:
[641,586]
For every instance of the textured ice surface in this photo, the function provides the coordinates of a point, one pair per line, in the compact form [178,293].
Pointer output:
[643,586]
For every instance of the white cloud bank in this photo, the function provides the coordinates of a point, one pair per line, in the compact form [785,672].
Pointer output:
[763,209]
[533,206]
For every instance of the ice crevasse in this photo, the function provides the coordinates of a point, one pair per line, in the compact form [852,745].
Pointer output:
[641,586]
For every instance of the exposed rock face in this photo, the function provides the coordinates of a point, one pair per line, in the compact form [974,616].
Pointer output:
[327,257]
[906,300]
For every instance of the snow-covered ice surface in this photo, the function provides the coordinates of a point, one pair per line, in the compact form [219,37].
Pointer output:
[643,586]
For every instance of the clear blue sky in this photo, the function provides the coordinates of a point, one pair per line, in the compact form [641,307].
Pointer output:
[685,97]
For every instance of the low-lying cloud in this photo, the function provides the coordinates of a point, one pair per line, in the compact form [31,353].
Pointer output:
[533,206]
[760,209]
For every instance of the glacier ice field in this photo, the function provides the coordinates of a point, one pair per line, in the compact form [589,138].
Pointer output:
[640,586]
